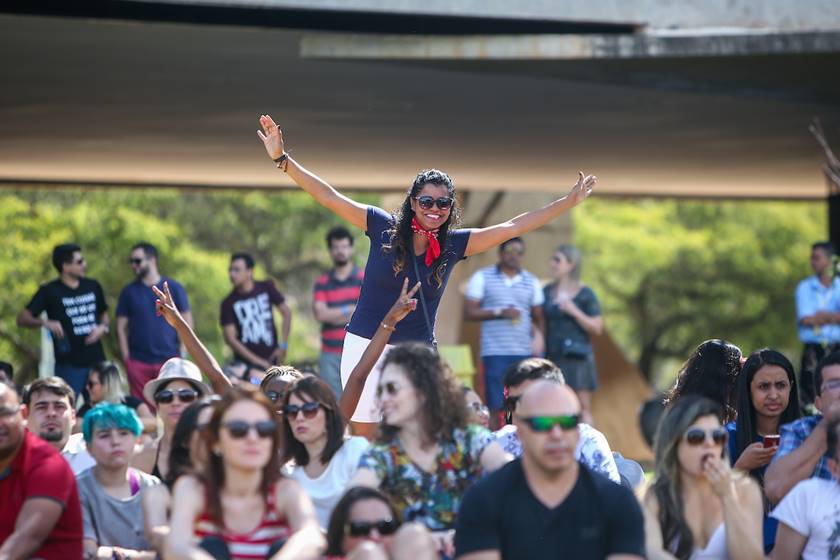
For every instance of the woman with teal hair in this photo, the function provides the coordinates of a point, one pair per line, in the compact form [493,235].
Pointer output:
[110,491]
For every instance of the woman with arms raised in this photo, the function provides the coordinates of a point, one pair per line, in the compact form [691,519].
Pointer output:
[422,241]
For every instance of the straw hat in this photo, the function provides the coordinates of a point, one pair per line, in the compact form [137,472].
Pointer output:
[172,369]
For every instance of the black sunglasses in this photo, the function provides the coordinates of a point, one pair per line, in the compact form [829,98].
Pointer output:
[135,261]
[309,410]
[427,202]
[391,388]
[238,429]
[697,436]
[363,528]
[184,395]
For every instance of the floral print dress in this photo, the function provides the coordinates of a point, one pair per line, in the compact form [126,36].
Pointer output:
[429,498]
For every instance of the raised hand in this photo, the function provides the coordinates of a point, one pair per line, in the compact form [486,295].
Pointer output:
[271,136]
[404,305]
[165,306]
[582,189]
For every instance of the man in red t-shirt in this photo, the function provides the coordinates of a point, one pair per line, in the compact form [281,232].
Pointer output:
[247,318]
[40,515]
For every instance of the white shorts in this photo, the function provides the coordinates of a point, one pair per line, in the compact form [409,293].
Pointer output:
[354,346]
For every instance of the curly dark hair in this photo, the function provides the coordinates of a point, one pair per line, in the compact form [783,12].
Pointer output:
[401,236]
[444,408]
[711,371]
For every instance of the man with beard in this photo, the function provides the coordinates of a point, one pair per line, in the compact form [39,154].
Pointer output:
[146,340]
[335,298]
[40,514]
[77,316]
[49,414]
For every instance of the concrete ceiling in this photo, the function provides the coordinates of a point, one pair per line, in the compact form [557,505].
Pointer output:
[89,101]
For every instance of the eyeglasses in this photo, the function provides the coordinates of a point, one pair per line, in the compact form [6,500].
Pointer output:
[427,202]
[309,410]
[274,396]
[547,423]
[697,436]
[391,388]
[135,261]
[184,395]
[479,407]
[831,385]
[363,528]
[238,429]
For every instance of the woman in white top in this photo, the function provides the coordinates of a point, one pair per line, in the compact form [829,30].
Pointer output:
[697,508]
[322,460]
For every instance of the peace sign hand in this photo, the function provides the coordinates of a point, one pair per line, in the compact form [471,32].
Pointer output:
[582,189]
[404,305]
[165,306]
[271,137]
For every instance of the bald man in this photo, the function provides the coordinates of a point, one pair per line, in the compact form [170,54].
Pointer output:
[546,504]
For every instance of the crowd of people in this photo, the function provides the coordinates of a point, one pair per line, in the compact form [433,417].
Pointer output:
[382,453]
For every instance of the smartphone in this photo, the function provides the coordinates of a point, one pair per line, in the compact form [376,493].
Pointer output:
[772,441]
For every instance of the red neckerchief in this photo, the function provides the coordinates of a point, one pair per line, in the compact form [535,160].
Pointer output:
[433,250]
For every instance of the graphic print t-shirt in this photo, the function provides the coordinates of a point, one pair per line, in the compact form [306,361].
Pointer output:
[251,313]
[78,310]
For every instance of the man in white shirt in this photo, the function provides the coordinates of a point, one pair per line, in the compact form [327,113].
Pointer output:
[809,516]
[592,450]
[508,301]
[49,413]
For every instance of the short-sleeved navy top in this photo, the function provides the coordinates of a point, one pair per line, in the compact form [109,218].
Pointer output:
[381,287]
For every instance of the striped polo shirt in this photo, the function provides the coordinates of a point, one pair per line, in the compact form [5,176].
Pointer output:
[494,289]
[337,293]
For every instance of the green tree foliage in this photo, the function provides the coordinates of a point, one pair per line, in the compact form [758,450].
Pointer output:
[673,273]
[195,233]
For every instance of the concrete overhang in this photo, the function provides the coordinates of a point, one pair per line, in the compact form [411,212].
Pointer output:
[105,102]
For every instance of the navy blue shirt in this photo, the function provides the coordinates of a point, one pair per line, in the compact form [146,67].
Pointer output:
[150,338]
[770,524]
[381,287]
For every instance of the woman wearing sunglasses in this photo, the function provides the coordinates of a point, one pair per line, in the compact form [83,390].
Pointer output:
[188,454]
[239,507]
[177,386]
[365,517]
[323,461]
[767,398]
[422,240]
[427,453]
[697,507]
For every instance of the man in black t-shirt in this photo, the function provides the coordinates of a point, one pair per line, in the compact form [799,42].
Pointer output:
[546,504]
[77,316]
[248,321]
